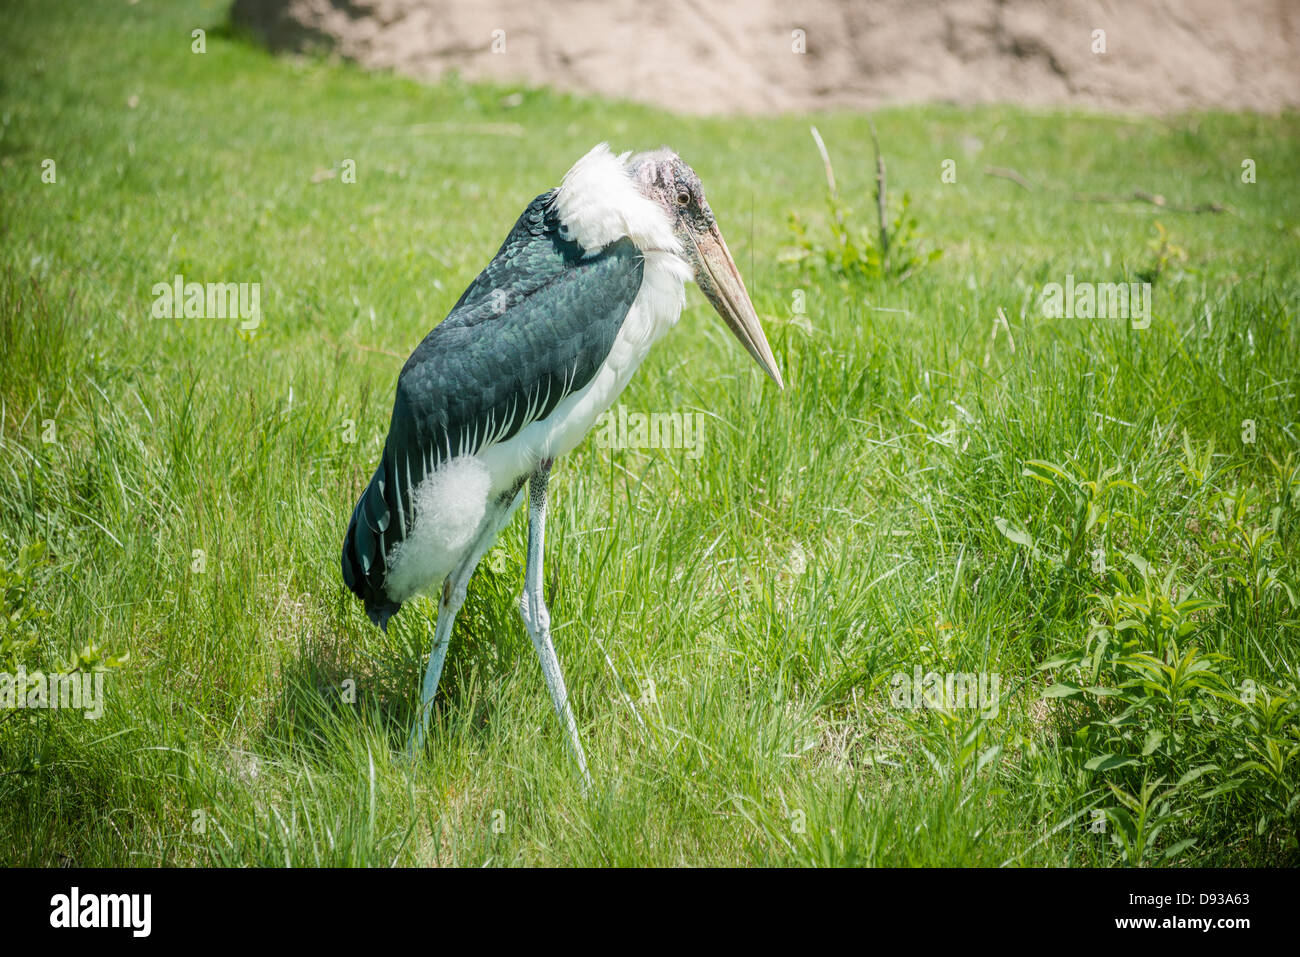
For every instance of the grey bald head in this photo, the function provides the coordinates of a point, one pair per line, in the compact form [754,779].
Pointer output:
[664,178]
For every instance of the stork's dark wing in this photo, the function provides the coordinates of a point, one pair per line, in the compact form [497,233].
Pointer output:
[531,329]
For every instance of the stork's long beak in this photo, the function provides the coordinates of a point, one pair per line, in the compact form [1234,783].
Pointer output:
[719,279]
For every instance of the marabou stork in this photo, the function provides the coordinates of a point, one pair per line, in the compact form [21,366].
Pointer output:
[539,345]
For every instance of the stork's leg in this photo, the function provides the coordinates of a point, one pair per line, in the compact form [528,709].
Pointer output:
[453,596]
[537,619]
[448,606]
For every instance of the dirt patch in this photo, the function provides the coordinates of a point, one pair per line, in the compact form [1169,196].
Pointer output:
[769,56]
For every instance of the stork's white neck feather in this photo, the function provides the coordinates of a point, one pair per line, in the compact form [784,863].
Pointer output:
[598,203]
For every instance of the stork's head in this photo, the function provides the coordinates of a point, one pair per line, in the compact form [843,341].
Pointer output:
[665,179]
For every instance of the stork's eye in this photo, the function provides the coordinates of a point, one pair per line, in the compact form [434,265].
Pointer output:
[683,198]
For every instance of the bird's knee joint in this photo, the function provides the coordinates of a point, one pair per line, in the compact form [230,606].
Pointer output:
[453,596]
[535,613]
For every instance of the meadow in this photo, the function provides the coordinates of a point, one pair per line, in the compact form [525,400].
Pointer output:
[1097,517]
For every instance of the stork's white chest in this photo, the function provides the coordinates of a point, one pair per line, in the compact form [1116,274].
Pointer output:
[655,310]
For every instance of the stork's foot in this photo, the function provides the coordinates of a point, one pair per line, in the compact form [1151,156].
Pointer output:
[453,596]
[537,619]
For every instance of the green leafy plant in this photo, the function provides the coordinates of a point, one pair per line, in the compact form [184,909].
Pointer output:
[22,615]
[856,251]
[1139,818]
[1091,509]
[1247,555]
[1140,675]
[1141,695]
[1267,727]
[1165,252]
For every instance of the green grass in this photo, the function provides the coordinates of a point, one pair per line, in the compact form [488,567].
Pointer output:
[881,514]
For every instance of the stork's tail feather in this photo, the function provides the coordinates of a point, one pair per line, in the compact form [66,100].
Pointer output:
[364,550]
[380,612]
